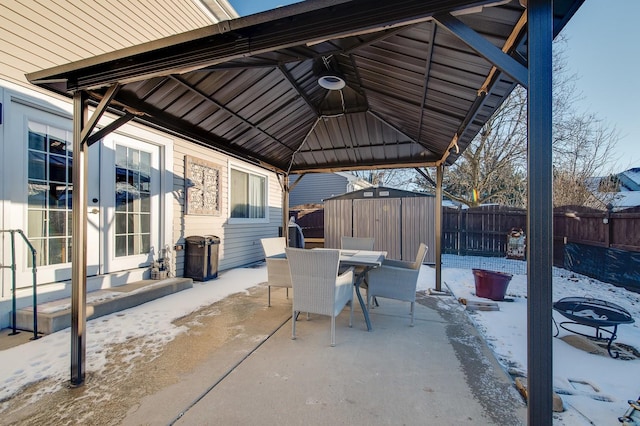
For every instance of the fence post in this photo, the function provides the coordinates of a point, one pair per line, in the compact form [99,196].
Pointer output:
[462,250]
[607,225]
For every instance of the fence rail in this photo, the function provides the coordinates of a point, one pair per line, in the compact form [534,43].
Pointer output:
[484,230]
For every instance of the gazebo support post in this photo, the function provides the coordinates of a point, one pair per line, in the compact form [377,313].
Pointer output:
[539,214]
[438,226]
[83,137]
[79,240]
[285,208]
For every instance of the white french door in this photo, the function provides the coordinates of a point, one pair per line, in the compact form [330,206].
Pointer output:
[123,183]
[130,200]
[38,173]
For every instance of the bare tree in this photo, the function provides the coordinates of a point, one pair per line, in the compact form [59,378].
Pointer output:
[582,154]
[493,167]
[395,178]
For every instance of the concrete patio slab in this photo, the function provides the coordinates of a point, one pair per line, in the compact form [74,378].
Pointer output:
[235,364]
[395,374]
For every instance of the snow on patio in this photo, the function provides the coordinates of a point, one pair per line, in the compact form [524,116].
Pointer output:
[594,388]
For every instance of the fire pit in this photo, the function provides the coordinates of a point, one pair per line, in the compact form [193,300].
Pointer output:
[595,313]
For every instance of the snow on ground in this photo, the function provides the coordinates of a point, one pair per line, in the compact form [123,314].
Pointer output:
[49,357]
[594,388]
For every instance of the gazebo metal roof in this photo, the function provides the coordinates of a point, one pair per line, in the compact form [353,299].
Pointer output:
[420,81]
[421,78]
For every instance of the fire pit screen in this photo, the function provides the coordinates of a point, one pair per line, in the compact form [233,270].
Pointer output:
[595,313]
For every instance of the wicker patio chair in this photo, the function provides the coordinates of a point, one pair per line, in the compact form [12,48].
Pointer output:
[278,274]
[396,279]
[317,287]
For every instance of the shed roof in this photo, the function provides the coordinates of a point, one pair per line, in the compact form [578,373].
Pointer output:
[378,192]
[415,94]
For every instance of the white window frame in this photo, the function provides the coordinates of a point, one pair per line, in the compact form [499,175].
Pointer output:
[250,171]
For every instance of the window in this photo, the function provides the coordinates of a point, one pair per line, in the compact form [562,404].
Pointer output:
[133,201]
[248,199]
[49,193]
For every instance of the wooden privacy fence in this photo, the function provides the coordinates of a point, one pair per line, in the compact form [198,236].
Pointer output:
[619,230]
[479,231]
[483,231]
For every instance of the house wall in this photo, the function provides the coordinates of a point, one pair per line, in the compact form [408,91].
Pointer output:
[314,188]
[240,242]
[38,35]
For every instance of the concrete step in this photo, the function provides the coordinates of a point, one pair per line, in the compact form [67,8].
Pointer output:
[56,315]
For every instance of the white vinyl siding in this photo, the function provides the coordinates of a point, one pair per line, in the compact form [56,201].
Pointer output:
[314,188]
[39,35]
[239,242]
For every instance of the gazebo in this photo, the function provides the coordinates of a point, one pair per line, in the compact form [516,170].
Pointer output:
[330,85]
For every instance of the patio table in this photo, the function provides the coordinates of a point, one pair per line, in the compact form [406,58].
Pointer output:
[367,260]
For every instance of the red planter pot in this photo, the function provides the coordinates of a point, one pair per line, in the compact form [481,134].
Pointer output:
[491,284]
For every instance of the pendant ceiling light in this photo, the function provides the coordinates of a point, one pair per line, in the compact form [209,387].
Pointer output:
[331,81]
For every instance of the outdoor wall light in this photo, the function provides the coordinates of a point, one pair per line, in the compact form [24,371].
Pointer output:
[331,81]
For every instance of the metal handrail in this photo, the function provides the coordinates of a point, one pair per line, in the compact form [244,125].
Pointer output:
[13,280]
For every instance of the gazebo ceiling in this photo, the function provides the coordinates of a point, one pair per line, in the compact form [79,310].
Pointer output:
[421,78]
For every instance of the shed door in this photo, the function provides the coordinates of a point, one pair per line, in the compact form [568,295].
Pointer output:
[380,219]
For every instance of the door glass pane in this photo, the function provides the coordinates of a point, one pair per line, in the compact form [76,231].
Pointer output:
[146,243]
[145,202]
[49,192]
[57,223]
[41,252]
[145,222]
[57,251]
[133,193]
[37,167]
[57,168]
[121,245]
[121,223]
[37,136]
[37,194]
[36,224]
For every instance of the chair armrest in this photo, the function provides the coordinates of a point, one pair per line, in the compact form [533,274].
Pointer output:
[394,271]
[277,256]
[346,277]
[344,290]
[397,263]
[393,282]
[278,273]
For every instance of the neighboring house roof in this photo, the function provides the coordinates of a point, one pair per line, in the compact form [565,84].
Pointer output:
[630,180]
[628,194]
[625,200]
[355,183]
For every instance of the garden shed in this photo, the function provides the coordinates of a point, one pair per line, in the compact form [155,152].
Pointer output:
[398,220]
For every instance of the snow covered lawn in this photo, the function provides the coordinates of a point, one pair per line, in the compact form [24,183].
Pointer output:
[594,388]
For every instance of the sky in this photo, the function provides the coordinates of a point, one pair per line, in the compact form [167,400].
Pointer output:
[601,51]
[594,388]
